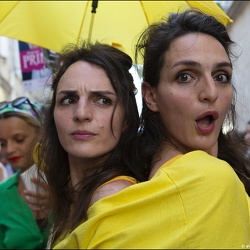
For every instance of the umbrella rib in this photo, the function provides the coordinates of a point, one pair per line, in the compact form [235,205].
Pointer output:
[91,26]
[10,10]
[83,19]
[145,14]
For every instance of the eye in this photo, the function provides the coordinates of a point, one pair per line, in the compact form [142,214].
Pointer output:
[224,78]
[105,101]
[184,78]
[67,100]
[19,140]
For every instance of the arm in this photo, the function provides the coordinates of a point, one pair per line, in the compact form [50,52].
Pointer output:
[109,189]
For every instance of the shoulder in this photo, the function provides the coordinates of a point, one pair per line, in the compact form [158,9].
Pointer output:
[200,171]
[200,168]
[111,187]
[205,163]
[198,160]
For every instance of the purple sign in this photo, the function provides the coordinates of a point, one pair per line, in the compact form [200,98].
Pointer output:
[32,59]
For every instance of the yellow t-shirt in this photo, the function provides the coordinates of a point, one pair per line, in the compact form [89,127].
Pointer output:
[193,201]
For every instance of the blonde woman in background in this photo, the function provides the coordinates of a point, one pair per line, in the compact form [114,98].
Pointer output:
[23,210]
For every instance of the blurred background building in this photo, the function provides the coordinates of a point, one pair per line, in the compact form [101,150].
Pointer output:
[11,85]
[10,73]
[11,80]
[239,31]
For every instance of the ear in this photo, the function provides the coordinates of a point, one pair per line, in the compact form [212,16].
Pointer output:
[149,96]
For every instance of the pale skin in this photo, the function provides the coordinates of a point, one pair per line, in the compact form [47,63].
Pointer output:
[85,100]
[17,139]
[193,96]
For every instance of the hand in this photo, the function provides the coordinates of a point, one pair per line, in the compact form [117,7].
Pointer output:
[39,201]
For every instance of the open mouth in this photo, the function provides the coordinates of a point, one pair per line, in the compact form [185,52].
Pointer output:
[205,121]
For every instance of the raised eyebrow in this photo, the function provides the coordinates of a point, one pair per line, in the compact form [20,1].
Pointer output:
[193,63]
[224,64]
[187,63]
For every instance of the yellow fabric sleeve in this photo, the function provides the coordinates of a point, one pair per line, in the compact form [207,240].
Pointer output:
[193,201]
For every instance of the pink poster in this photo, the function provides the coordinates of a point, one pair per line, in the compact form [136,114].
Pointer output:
[36,72]
[32,59]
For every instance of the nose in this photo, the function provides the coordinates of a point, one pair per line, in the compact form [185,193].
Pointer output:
[82,111]
[209,90]
[8,148]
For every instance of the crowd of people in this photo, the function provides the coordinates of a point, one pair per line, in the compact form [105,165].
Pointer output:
[104,176]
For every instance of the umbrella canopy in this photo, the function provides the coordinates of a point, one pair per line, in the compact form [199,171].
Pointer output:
[53,24]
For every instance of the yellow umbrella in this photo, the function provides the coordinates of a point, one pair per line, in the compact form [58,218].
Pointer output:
[53,24]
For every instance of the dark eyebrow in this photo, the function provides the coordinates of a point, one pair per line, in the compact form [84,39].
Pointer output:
[225,64]
[193,63]
[102,92]
[66,92]
[187,63]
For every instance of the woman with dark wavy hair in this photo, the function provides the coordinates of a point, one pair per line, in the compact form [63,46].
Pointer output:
[193,197]
[203,131]
[187,137]
[90,124]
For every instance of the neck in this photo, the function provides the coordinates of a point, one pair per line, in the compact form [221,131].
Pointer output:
[166,153]
[169,151]
[78,168]
[81,168]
